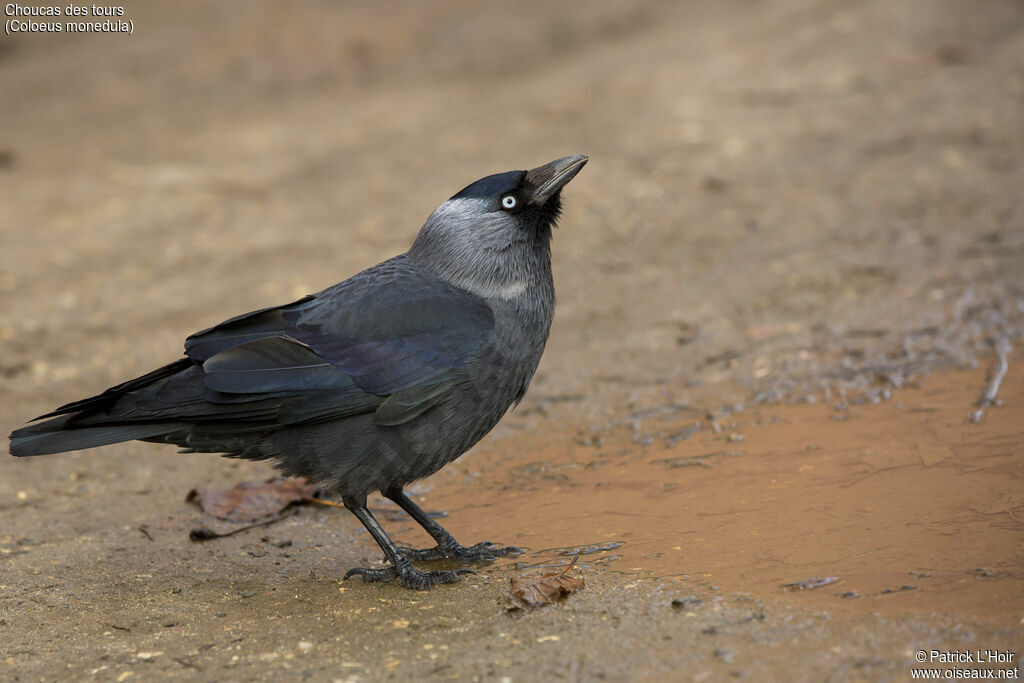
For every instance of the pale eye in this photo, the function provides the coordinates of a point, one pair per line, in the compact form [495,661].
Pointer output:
[508,202]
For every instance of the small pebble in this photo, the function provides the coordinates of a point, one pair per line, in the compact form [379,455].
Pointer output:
[688,603]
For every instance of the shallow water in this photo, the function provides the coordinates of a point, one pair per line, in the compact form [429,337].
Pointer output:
[906,503]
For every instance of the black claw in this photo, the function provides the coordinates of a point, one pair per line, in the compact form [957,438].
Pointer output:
[400,558]
[481,552]
[409,577]
[370,575]
[423,554]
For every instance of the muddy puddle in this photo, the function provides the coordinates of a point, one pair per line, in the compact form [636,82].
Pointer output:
[902,506]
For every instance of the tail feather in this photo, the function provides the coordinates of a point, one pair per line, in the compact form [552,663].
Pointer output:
[109,397]
[89,423]
[51,437]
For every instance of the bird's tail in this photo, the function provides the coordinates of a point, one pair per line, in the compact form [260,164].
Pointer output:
[57,436]
[89,423]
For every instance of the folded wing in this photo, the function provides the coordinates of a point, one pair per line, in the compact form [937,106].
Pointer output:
[394,348]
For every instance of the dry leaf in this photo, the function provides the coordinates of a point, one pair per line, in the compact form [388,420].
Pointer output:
[250,501]
[544,590]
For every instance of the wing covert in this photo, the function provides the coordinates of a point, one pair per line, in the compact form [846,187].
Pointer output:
[391,339]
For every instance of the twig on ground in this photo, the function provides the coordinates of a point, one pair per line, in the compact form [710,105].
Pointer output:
[1000,366]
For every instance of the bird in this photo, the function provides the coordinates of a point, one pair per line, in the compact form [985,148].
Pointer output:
[371,384]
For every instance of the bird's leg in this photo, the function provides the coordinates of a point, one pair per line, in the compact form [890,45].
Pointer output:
[447,546]
[400,568]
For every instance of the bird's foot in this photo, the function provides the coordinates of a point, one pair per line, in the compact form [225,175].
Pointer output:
[409,577]
[481,552]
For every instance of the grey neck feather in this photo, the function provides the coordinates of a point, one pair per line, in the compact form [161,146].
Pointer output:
[486,253]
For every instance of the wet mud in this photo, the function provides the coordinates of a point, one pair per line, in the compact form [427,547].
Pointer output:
[902,506]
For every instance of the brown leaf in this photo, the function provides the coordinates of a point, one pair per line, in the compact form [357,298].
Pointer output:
[543,590]
[250,501]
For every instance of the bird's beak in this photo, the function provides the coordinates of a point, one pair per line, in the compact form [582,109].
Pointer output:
[550,178]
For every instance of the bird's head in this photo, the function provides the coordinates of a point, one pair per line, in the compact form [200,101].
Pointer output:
[493,237]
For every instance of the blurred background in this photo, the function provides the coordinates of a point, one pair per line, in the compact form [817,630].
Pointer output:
[786,200]
[779,191]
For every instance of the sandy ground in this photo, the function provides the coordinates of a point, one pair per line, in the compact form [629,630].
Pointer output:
[782,278]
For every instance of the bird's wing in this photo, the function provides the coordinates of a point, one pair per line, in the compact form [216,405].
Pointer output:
[243,328]
[391,339]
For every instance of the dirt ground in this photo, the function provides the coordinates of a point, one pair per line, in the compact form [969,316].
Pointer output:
[784,279]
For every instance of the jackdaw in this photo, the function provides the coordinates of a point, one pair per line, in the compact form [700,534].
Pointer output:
[371,384]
